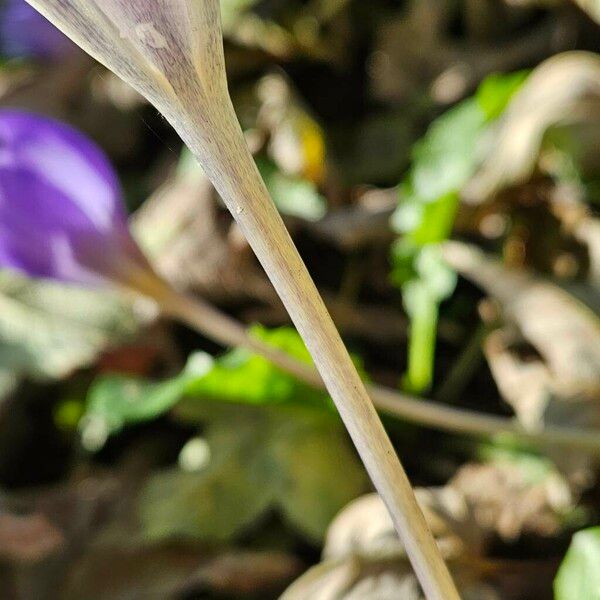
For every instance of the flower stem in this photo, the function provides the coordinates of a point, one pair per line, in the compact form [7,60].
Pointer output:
[225,330]
[231,168]
[421,344]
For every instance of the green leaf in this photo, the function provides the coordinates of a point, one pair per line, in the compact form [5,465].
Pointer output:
[114,401]
[240,376]
[319,472]
[47,329]
[445,158]
[443,162]
[579,575]
[496,91]
[403,255]
[296,461]
[274,443]
[293,196]
[427,281]
[435,273]
[437,220]
[236,377]
[225,497]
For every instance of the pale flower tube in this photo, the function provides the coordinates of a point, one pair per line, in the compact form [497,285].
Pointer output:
[171,51]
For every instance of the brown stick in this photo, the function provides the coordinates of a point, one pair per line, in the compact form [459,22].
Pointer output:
[225,330]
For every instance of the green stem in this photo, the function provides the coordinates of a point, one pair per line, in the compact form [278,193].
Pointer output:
[421,344]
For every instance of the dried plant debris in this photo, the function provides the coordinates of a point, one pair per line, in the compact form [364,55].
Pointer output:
[514,494]
[545,358]
[579,221]
[506,497]
[47,330]
[194,244]
[364,526]
[562,92]
[564,331]
[435,62]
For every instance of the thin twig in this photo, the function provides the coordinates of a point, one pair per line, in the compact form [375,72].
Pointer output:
[227,331]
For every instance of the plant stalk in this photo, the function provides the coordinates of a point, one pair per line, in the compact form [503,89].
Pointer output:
[231,168]
[225,330]
[174,56]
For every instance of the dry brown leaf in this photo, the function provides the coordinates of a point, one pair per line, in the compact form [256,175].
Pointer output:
[28,538]
[195,245]
[558,382]
[364,527]
[505,499]
[565,89]
[418,50]
[565,332]
[363,558]
[577,218]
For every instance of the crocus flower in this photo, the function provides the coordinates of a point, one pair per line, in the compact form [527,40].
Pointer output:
[25,32]
[171,51]
[61,210]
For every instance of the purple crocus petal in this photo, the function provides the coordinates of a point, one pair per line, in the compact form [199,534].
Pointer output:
[24,32]
[61,212]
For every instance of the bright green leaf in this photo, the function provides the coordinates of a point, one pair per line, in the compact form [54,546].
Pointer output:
[272,443]
[579,575]
[403,255]
[116,400]
[435,273]
[437,220]
[238,377]
[496,91]
[442,163]
[445,158]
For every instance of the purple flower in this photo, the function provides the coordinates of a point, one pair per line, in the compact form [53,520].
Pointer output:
[61,210]
[24,32]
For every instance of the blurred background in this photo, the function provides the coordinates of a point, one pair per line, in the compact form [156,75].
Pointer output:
[437,164]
